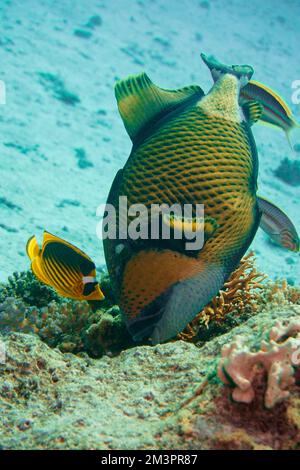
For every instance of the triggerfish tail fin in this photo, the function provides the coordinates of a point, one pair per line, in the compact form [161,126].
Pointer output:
[64,267]
[140,102]
[275,111]
[278,226]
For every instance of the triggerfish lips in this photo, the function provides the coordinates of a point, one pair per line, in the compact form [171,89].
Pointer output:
[64,267]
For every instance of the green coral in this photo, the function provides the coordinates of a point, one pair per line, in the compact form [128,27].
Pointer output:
[26,287]
[93,328]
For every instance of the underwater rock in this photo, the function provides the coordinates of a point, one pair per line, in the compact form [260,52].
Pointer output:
[82,159]
[94,21]
[56,86]
[166,396]
[289,172]
[81,33]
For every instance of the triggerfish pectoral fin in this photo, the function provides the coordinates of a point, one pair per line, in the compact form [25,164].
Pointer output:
[275,111]
[278,226]
[64,267]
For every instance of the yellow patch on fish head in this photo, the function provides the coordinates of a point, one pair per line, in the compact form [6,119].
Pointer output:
[222,100]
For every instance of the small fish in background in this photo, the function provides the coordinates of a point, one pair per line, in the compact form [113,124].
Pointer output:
[64,267]
[278,226]
[275,111]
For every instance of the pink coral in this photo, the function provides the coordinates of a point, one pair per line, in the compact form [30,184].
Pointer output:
[279,355]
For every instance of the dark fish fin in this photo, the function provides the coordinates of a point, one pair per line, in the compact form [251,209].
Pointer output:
[278,226]
[140,101]
[169,314]
[253,111]
[38,271]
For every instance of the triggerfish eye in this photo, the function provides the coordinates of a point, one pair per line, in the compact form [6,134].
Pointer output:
[64,267]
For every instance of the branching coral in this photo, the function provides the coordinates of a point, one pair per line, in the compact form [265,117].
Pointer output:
[26,287]
[239,294]
[278,356]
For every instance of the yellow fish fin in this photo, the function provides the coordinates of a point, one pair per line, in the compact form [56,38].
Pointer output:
[140,101]
[253,111]
[38,271]
[32,248]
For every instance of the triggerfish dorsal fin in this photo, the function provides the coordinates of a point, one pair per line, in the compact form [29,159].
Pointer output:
[275,111]
[278,226]
[253,111]
[140,102]
[64,267]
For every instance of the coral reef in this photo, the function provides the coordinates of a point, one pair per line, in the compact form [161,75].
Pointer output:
[143,398]
[31,307]
[278,356]
[69,325]
[26,287]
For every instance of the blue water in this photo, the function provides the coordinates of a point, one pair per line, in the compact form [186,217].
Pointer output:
[62,139]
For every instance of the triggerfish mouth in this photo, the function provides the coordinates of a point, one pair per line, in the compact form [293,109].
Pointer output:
[188,148]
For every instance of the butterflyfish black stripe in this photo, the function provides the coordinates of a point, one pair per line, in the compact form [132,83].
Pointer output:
[59,265]
[56,275]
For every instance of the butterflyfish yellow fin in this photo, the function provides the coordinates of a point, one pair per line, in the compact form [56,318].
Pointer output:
[38,271]
[140,102]
[32,248]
